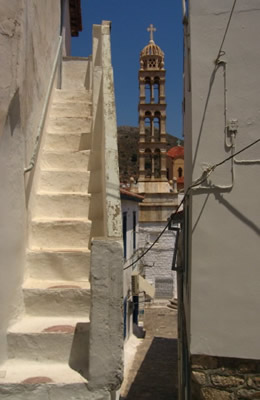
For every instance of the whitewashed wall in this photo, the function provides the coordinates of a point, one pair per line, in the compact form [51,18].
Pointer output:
[129,207]
[158,261]
[224,273]
[29,34]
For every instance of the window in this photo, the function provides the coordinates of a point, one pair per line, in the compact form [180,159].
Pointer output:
[180,172]
[157,163]
[134,230]
[125,233]
[147,90]
[156,90]
[148,163]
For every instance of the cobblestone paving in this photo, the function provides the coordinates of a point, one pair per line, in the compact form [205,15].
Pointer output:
[153,375]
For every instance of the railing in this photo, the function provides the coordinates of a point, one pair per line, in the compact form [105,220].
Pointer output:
[57,62]
[106,272]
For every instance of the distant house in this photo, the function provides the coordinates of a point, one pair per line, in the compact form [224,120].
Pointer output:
[130,226]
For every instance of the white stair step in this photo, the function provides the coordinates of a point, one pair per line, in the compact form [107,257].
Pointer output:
[61,205]
[53,298]
[65,160]
[32,380]
[74,72]
[80,95]
[43,338]
[17,371]
[69,125]
[70,109]
[67,141]
[64,181]
[60,233]
[58,265]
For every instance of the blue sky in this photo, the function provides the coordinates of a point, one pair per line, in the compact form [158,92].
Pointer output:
[130,19]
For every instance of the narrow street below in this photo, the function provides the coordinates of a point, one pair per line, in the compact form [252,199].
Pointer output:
[153,374]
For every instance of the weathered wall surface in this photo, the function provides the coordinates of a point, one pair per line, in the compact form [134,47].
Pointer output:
[224,271]
[158,260]
[29,33]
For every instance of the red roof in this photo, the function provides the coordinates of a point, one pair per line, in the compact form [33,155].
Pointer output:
[176,152]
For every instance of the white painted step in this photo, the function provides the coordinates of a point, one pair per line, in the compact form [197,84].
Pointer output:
[69,125]
[80,95]
[58,265]
[60,233]
[74,70]
[71,110]
[43,338]
[67,141]
[65,160]
[54,298]
[64,181]
[61,205]
[32,380]
[17,371]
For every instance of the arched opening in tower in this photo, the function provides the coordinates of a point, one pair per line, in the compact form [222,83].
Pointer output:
[147,90]
[156,90]
[157,163]
[148,163]
[148,127]
[157,126]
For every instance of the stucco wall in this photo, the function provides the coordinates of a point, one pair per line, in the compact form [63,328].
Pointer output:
[224,271]
[158,261]
[129,207]
[29,33]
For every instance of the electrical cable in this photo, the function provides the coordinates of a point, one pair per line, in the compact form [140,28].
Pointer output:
[220,53]
[198,182]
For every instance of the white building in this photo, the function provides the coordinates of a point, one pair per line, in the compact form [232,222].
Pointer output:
[61,245]
[130,225]
[220,281]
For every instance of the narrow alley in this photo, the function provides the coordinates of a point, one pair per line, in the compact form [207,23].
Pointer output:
[153,374]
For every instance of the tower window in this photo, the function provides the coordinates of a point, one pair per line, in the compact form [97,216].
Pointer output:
[180,172]
[157,163]
[148,163]
[147,90]
[147,124]
[156,93]
[157,126]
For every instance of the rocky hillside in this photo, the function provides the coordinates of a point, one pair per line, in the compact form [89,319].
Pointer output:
[128,137]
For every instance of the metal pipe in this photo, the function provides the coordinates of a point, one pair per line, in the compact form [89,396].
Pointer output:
[45,108]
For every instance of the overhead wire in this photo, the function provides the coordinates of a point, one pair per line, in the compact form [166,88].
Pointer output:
[220,53]
[198,182]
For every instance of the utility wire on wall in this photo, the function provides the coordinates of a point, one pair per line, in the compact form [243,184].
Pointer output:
[198,182]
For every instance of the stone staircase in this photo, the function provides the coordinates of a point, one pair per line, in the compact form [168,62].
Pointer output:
[56,290]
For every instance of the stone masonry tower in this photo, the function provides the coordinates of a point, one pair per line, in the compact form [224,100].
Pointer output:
[160,200]
[152,118]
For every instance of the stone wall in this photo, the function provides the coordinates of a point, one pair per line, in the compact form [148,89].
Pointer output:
[223,378]
[158,261]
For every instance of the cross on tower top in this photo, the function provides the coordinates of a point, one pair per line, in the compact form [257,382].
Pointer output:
[151,29]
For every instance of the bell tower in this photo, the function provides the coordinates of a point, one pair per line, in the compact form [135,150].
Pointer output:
[152,118]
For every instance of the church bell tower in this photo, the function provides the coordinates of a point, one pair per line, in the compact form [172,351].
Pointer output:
[152,119]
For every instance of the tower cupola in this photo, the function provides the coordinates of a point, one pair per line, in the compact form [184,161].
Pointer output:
[151,57]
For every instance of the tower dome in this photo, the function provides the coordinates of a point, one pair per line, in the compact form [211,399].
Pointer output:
[152,56]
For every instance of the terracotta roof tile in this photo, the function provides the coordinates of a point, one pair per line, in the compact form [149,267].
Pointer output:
[176,152]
